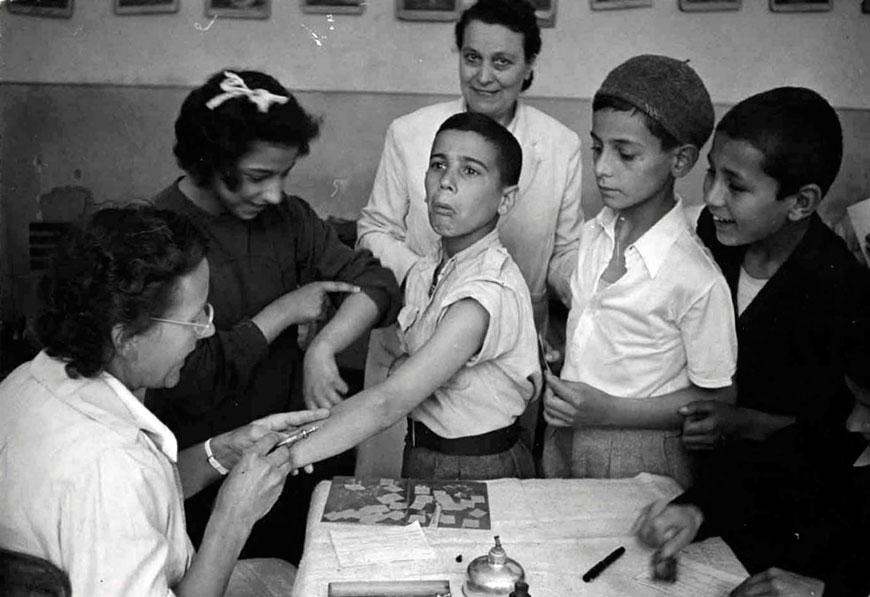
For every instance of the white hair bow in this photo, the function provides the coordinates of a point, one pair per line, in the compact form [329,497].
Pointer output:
[234,86]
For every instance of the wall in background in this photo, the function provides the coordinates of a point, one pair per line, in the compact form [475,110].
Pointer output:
[737,53]
[88,102]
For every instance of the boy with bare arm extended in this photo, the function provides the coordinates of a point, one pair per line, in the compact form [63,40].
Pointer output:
[467,327]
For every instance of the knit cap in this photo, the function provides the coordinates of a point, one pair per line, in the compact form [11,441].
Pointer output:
[668,91]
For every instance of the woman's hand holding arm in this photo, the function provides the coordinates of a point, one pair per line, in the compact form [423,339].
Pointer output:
[228,448]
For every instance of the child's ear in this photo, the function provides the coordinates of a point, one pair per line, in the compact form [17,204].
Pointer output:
[685,157]
[508,199]
[804,202]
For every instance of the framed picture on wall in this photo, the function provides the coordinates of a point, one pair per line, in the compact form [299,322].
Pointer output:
[800,5]
[346,7]
[545,10]
[428,10]
[614,4]
[239,9]
[708,5]
[43,8]
[138,7]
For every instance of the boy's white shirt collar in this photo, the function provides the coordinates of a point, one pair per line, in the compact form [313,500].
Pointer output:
[655,243]
[481,245]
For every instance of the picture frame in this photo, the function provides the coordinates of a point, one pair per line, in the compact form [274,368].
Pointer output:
[800,5]
[42,8]
[617,4]
[238,9]
[344,7]
[545,11]
[428,10]
[709,5]
[138,7]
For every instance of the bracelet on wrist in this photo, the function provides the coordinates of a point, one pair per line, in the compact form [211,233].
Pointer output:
[214,462]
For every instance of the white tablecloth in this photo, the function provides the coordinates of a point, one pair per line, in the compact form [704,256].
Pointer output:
[555,528]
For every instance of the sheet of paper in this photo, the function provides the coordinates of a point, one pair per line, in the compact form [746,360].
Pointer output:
[859,214]
[357,546]
[559,500]
[693,579]
[713,552]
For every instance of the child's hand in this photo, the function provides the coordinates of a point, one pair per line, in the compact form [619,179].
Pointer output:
[708,422]
[311,302]
[322,384]
[774,582]
[667,527]
[572,403]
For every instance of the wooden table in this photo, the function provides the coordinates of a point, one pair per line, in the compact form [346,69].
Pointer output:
[555,528]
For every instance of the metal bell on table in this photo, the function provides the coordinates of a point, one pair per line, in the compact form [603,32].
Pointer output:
[494,574]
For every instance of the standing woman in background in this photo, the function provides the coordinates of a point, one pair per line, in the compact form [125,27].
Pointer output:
[498,43]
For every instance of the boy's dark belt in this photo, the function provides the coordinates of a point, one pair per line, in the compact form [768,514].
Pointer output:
[492,442]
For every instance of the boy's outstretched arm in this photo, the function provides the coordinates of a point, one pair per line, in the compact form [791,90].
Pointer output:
[459,336]
[576,404]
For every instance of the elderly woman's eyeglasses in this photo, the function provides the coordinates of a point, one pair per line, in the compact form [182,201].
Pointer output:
[200,327]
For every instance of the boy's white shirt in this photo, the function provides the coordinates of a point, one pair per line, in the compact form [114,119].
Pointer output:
[493,388]
[666,323]
[864,458]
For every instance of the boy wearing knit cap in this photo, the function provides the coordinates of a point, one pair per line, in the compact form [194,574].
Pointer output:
[651,326]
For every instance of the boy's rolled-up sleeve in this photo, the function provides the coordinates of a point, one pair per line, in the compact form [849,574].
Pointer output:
[504,314]
[710,338]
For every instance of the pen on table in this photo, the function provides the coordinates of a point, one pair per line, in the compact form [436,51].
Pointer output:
[601,566]
[298,436]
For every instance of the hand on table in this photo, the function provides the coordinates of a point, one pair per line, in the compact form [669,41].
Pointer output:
[572,403]
[708,422]
[229,447]
[667,527]
[322,385]
[774,582]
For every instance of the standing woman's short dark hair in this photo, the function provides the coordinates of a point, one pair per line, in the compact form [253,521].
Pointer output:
[119,266]
[220,121]
[516,15]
